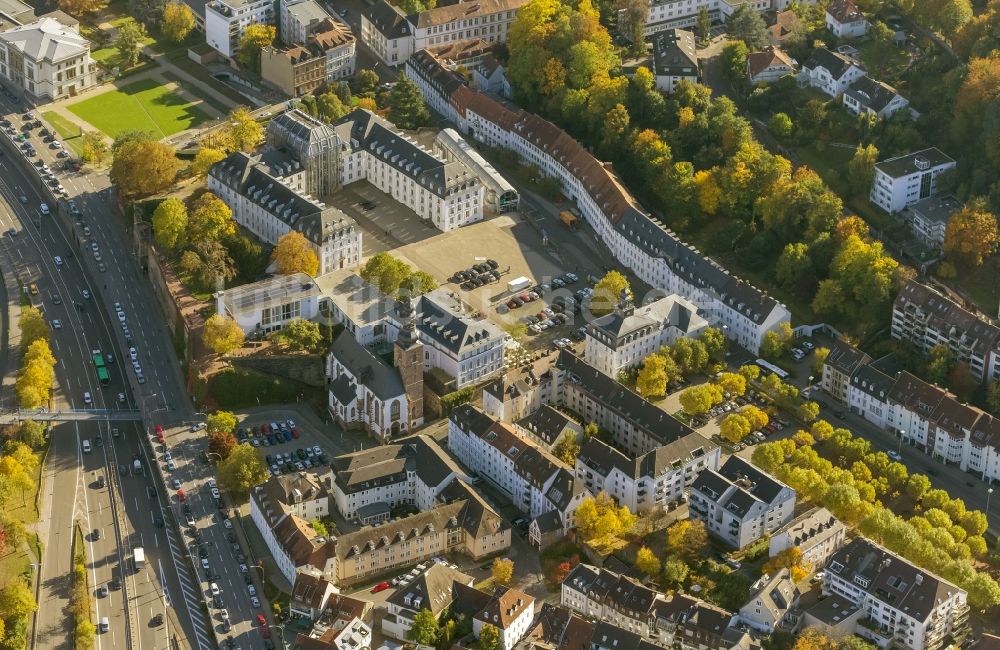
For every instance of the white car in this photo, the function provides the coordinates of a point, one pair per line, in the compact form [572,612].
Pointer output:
[290,423]
[58,260]
[227,523]
[57,324]
[176,483]
[212,483]
[171,466]
[118,306]
[216,493]
[255,602]
[894,455]
[121,317]
[121,398]
[317,450]
[251,590]
[133,354]
[43,208]
[93,246]
[214,588]
[86,294]
[189,520]
[87,399]
[204,563]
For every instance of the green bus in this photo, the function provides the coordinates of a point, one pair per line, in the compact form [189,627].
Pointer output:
[102,370]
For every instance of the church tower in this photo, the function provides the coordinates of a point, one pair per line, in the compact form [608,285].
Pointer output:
[408,358]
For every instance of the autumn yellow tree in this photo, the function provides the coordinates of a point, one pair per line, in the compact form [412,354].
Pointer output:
[647,562]
[32,326]
[80,8]
[608,291]
[688,539]
[143,167]
[205,158]
[294,254]
[654,374]
[756,417]
[170,223]
[255,37]
[245,131]
[95,148]
[178,21]
[210,219]
[971,235]
[599,520]
[734,427]
[502,571]
[222,335]
[709,192]
[791,559]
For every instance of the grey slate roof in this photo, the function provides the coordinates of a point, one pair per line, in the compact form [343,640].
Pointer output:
[549,522]
[382,140]
[387,19]
[619,398]
[440,318]
[382,379]
[845,357]
[46,39]
[602,458]
[674,53]
[872,94]
[835,62]
[388,464]
[547,423]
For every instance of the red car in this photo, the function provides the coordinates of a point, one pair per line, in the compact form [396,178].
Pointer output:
[382,586]
[181,496]
[264,429]
[261,621]
[295,433]
[159,429]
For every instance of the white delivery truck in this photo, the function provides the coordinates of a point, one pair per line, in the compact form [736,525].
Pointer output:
[137,466]
[518,284]
[140,558]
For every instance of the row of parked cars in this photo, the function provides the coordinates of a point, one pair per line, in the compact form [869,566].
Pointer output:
[802,350]
[301,459]
[477,275]
[536,293]
[267,435]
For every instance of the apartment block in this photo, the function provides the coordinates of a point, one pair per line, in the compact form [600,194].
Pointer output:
[816,532]
[299,18]
[622,339]
[647,483]
[325,54]
[904,180]
[267,194]
[534,480]
[226,20]
[434,589]
[926,317]
[268,305]
[901,604]
[928,218]
[739,503]
[604,595]
[675,58]
[636,239]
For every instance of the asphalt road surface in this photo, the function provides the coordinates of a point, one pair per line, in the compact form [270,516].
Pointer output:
[164,583]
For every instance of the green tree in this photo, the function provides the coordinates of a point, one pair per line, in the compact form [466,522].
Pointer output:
[971,235]
[777,342]
[330,107]
[734,63]
[129,41]
[222,335]
[608,292]
[690,355]
[647,562]
[31,433]
[243,130]
[813,115]
[793,264]
[489,638]
[16,600]
[781,126]
[675,572]
[255,37]
[993,398]
[319,527]
[745,24]
[715,343]
[425,629]
[419,283]
[241,471]
[703,28]
[567,449]
[170,222]
[94,148]
[939,364]
[365,82]
[385,272]
[221,421]
[178,21]
[407,109]
[687,539]
[861,169]
[300,334]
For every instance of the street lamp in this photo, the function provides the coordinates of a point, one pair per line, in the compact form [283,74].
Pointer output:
[902,433]
[989,491]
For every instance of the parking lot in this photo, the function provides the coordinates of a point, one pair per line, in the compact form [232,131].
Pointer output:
[285,447]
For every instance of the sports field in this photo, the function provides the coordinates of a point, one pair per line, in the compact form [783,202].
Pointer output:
[144,105]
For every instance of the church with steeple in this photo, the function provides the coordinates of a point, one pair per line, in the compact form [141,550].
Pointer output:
[365,392]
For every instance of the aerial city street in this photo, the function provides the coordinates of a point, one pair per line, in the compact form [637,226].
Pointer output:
[499,324]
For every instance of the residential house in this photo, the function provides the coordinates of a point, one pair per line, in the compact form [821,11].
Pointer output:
[870,97]
[772,600]
[769,65]
[547,426]
[845,20]
[739,503]
[675,57]
[268,305]
[831,72]
[840,365]
[622,339]
[509,610]
[47,58]
[519,392]
[900,602]
[299,18]
[637,240]
[928,218]
[433,589]
[904,180]
[816,532]
[267,195]
[604,595]
[690,624]
[326,54]
[650,482]
[786,23]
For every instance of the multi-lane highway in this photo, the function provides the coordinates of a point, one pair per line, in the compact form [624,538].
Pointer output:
[134,518]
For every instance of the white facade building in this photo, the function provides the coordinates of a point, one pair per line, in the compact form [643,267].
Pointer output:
[226,20]
[928,218]
[831,72]
[600,594]
[394,37]
[298,18]
[845,20]
[675,58]
[624,338]
[816,532]
[873,98]
[904,180]
[901,604]
[268,305]
[638,242]
[739,503]
[48,59]
[348,300]
[772,599]
[267,196]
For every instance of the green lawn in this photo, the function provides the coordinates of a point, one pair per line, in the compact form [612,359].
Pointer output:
[142,105]
[69,132]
